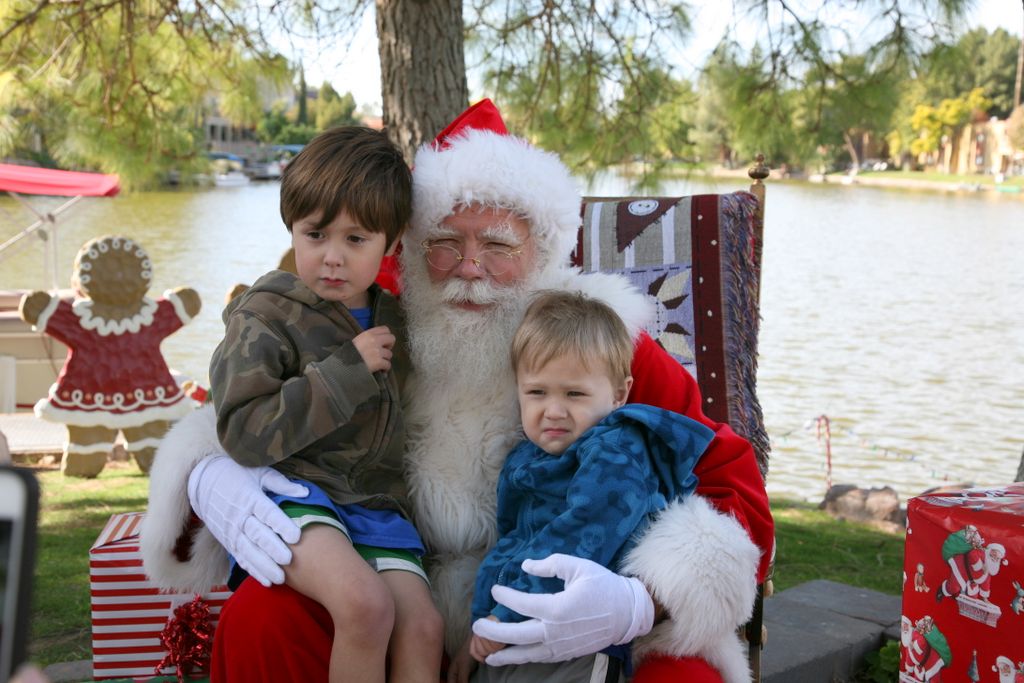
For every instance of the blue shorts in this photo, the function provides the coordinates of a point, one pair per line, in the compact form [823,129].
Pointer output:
[366,528]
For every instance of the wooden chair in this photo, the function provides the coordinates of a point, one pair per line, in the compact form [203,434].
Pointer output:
[699,257]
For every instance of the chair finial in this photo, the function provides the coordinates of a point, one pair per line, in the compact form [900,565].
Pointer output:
[759,171]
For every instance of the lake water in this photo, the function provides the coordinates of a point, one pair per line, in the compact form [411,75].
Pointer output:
[898,315]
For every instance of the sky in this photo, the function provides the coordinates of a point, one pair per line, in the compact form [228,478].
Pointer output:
[357,69]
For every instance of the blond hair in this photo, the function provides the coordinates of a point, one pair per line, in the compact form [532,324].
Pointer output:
[569,323]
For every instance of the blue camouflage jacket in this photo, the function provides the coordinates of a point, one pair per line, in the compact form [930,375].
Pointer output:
[591,501]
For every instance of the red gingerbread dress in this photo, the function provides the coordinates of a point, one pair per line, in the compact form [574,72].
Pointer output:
[114,375]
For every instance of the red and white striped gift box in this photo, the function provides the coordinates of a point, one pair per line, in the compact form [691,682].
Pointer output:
[128,611]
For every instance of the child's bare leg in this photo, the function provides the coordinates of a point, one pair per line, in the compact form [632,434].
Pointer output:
[417,640]
[326,568]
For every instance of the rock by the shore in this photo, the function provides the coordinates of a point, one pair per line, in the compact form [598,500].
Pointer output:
[879,507]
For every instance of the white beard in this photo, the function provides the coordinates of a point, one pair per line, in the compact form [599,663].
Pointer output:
[462,418]
[452,347]
[462,412]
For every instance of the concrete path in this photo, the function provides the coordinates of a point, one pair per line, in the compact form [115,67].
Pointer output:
[819,631]
[27,435]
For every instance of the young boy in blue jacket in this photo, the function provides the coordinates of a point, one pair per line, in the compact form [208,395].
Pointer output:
[592,469]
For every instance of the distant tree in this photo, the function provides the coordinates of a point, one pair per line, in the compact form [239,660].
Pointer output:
[121,87]
[797,91]
[842,103]
[939,127]
[759,118]
[646,130]
[577,59]
[979,59]
[333,109]
[902,132]
[1015,128]
[710,133]
[273,121]
[295,134]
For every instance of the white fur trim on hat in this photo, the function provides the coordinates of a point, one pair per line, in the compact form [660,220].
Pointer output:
[484,167]
[190,440]
[636,309]
[702,566]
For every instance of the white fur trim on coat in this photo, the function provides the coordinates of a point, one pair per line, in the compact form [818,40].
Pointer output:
[702,567]
[483,167]
[636,309]
[190,440]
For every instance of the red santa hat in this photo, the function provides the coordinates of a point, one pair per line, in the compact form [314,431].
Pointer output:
[475,161]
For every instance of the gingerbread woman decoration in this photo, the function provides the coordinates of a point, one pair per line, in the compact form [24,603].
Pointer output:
[114,378]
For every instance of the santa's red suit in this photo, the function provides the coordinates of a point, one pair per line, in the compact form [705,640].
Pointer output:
[925,659]
[971,573]
[966,574]
[698,558]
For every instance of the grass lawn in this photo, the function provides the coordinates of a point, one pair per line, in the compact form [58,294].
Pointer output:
[71,514]
[811,545]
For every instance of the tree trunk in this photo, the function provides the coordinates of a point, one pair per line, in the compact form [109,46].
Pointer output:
[1020,69]
[852,149]
[303,117]
[423,68]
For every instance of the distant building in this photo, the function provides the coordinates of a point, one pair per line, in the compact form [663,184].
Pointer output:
[221,135]
[984,148]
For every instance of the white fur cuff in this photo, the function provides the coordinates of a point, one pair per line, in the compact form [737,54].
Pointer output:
[702,567]
[190,440]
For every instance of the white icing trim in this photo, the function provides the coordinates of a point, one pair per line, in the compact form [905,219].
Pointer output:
[83,309]
[115,402]
[46,410]
[148,442]
[179,306]
[44,317]
[103,447]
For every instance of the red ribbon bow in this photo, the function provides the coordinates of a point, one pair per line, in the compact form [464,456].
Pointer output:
[188,638]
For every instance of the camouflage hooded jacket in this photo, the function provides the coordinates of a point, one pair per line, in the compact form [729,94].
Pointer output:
[291,391]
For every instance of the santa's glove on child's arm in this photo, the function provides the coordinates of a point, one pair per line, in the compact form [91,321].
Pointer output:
[598,608]
[230,500]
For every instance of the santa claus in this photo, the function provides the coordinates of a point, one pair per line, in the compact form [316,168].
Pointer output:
[685,588]
[925,652]
[1008,672]
[972,565]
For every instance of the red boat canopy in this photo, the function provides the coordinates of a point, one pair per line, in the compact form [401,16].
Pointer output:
[47,181]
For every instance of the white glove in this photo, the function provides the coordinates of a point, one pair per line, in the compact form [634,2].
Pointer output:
[230,500]
[598,608]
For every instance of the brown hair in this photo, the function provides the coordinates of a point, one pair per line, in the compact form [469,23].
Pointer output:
[570,323]
[350,168]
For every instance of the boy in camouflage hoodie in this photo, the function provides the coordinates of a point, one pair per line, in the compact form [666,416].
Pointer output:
[307,380]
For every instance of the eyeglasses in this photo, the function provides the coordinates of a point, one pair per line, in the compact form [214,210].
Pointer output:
[494,262]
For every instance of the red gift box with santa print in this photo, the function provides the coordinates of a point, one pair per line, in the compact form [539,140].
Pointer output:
[963,587]
[129,613]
